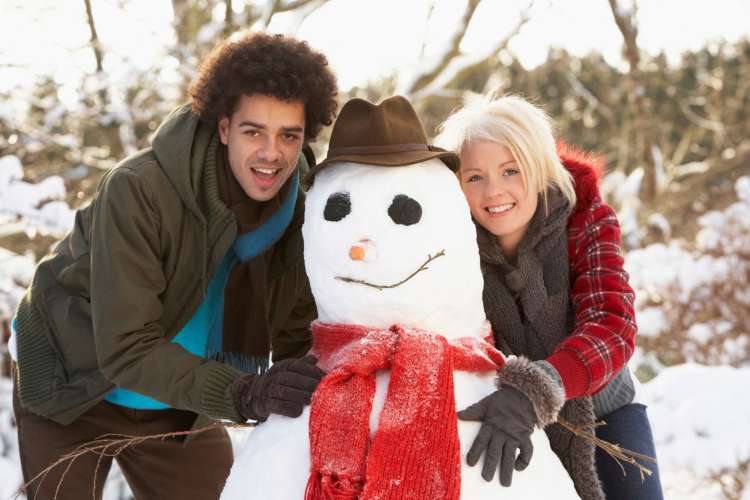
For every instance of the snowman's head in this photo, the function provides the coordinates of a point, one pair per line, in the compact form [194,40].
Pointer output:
[387,245]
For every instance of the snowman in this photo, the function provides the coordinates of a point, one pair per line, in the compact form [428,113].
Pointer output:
[390,250]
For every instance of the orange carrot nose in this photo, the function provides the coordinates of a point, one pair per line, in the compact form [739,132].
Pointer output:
[357,252]
[364,249]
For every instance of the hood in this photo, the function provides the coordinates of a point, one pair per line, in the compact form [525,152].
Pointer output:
[180,145]
[586,170]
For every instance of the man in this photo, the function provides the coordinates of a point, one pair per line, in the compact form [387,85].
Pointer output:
[186,270]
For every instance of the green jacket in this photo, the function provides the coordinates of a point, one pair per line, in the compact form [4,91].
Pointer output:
[103,306]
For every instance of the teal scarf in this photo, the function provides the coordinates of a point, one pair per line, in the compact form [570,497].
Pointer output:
[203,334]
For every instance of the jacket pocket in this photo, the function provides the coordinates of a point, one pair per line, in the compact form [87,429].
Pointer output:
[71,331]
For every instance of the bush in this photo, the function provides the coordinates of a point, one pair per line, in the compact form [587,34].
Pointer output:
[693,298]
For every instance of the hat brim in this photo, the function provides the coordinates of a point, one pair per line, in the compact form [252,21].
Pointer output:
[399,159]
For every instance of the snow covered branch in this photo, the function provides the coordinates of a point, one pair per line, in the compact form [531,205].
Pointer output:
[625,21]
[451,50]
[445,71]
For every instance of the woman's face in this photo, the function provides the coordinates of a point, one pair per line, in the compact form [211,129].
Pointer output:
[494,187]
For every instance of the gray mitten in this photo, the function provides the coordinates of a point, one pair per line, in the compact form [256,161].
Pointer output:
[528,395]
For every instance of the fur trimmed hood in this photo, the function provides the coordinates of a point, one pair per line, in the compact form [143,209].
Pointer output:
[586,170]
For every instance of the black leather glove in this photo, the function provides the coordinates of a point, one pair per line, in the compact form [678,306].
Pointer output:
[284,389]
[508,420]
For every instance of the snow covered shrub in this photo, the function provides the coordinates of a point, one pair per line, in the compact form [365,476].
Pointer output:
[29,207]
[733,480]
[693,298]
[16,272]
[622,191]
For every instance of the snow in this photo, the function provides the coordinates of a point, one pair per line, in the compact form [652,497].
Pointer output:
[651,322]
[36,206]
[661,222]
[700,332]
[742,186]
[658,268]
[16,272]
[208,33]
[438,85]
[734,220]
[426,65]
[10,471]
[699,416]
[698,289]
[623,192]
[32,208]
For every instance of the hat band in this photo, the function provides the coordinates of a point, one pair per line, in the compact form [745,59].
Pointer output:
[377,150]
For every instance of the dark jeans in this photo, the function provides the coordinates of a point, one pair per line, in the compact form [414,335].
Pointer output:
[629,427]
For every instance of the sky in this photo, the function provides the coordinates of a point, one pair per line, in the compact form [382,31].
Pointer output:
[363,39]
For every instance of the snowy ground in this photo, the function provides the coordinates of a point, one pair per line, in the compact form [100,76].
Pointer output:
[700,414]
[700,417]
[10,471]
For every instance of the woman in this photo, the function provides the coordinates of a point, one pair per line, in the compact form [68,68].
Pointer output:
[555,293]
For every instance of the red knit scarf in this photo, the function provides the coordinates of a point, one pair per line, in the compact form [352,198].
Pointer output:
[415,452]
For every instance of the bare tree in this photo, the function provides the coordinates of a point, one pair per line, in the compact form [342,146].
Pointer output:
[263,16]
[111,130]
[95,45]
[229,26]
[190,16]
[451,52]
[640,119]
[452,66]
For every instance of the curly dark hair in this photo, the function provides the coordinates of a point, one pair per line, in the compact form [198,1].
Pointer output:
[273,65]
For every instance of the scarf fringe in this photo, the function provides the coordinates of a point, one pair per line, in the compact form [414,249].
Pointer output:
[330,486]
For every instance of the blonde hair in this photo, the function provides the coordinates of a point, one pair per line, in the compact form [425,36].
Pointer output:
[522,127]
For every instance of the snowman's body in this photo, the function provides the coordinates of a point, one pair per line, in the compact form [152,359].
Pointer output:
[445,299]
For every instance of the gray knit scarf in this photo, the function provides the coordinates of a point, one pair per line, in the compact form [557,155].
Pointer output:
[528,304]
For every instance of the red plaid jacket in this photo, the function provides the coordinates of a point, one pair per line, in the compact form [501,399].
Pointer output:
[603,337]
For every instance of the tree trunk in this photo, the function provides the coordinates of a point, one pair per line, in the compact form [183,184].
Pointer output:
[638,109]
[229,26]
[111,131]
[95,46]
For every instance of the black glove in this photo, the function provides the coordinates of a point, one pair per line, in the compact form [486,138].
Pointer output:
[508,419]
[284,389]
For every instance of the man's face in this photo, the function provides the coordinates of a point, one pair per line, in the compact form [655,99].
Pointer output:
[264,137]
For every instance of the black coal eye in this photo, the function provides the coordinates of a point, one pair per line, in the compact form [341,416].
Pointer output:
[405,210]
[338,206]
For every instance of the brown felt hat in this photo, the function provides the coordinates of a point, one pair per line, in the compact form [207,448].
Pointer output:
[389,134]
